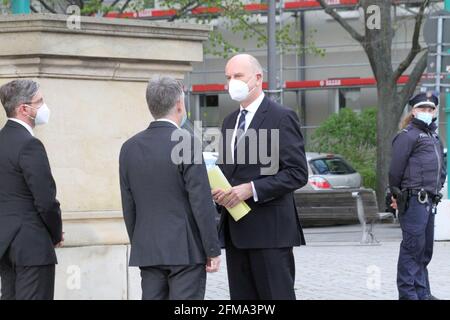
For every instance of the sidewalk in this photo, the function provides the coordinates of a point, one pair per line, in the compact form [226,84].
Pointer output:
[335,266]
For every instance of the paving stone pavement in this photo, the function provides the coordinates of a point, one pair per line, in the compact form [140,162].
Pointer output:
[334,266]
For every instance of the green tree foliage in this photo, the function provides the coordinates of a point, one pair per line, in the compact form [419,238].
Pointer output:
[235,18]
[352,135]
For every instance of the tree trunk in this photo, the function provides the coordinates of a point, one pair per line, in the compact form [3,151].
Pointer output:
[387,128]
[377,43]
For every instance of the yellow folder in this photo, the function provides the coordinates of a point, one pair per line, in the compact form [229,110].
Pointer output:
[217,180]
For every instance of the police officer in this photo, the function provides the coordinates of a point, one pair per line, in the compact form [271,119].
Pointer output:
[418,172]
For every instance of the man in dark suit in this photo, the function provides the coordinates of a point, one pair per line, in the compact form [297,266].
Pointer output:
[259,246]
[167,204]
[30,215]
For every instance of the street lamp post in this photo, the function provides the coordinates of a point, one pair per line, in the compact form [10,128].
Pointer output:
[272,51]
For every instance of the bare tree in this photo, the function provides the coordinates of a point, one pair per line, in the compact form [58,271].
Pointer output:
[377,44]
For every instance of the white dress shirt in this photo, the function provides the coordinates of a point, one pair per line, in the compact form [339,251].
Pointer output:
[251,110]
[30,130]
[168,120]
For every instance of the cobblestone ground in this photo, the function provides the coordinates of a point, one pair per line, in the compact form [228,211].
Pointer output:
[335,266]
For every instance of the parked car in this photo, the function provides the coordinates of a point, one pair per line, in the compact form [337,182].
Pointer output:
[330,171]
[330,196]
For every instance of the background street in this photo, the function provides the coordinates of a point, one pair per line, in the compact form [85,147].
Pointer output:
[334,265]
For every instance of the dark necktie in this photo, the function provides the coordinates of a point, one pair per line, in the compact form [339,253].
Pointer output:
[239,131]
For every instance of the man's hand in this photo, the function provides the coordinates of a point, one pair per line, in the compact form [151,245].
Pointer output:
[61,243]
[237,194]
[213,264]
[218,196]
[394,203]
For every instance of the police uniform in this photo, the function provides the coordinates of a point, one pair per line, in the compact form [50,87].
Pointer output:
[418,170]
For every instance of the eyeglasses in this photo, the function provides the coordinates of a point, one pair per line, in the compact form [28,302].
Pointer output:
[33,102]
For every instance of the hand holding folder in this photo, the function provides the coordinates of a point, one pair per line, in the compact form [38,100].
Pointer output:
[217,180]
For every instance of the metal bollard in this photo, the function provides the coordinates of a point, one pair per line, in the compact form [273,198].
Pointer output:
[367,233]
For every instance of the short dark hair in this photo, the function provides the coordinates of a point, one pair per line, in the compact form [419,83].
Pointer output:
[162,95]
[17,92]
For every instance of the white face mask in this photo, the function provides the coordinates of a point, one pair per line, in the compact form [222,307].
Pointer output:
[42,115]
[238,90]
[425,117]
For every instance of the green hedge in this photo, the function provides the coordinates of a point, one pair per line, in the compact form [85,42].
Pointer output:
[352,135]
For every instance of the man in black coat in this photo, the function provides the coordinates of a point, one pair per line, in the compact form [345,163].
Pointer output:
[259,246]
[167,204]
[30,215]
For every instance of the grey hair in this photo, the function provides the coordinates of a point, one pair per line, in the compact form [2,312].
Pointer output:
[162,95]
[17,92]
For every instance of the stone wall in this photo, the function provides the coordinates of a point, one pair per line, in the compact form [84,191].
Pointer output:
[93,80]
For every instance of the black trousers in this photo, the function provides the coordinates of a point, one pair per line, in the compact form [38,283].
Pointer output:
[416,250]
[260,274]
[26,282]
[173,282]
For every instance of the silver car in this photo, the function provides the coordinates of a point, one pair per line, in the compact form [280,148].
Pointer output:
[330,171]
[326,171]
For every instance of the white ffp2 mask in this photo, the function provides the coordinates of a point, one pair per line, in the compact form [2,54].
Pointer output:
[42,115]
[238,90]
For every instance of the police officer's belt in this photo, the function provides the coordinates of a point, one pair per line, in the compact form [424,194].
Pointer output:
[412,192]
[415,192]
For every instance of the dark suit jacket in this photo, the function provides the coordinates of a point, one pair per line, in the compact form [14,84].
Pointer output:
[30,215]
[168,208]
[273,220]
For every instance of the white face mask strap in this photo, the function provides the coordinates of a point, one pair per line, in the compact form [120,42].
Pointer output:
[29,115]
[255,83]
